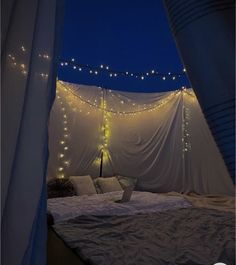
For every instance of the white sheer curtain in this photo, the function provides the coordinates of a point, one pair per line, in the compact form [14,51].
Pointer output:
[160,138]
[30,44]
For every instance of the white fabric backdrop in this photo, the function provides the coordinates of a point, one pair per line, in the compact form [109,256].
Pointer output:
[30,30]
[161,138]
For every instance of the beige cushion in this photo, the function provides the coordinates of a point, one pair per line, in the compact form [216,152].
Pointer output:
[109,184]
[83,185]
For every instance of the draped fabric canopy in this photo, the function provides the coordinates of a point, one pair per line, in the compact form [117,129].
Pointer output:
[30,44]
[161,139]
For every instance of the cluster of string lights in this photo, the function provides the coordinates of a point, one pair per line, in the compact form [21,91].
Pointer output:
[186,144]
[68,97]
[112,73]
[105,136]
[93,70]
[62,155]
[19,62]
[137,108]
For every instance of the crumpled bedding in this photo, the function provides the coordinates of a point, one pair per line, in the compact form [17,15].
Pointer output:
[103,204]
[186,236]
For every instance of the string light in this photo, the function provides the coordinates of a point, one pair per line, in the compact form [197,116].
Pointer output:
[65,136]
[185,122]
[138,108]
[105,130]
[114,73]
[22,67]
[66,94]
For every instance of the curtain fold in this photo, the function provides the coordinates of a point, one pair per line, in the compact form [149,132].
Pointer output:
[29,58]
[160,138]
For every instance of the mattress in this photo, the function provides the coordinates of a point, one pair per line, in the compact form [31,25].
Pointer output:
[151,229]
[180,236]
[104,204]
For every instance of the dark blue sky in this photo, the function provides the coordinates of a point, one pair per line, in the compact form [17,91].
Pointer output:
[127,35]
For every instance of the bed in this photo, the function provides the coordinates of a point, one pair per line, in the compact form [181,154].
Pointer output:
[150,229]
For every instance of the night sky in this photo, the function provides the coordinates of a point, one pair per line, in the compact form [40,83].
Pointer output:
[131,36]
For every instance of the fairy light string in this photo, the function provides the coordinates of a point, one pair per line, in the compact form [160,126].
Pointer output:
[63,142]
[112,73]
[139,108]
[186,116]
[69,99]
[18,60]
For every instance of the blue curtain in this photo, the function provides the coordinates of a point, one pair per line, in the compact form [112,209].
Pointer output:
[31,34]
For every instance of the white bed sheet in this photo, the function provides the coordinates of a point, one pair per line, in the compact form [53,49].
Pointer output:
[103,204]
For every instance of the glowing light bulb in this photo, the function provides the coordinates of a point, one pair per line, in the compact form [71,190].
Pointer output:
[142,77]
[72,59]
[61,155]
[62,142]
[184,70]
[90,71]
[60,169]
[122,102]
[66,148]
[62,64]
[107,67]
[101,66]
[80,69]
[163,78]
[173,77]
[74,67]
[153,71]
[96,72]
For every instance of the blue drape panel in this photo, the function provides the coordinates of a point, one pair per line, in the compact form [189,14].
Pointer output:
[30,48]
[204,32]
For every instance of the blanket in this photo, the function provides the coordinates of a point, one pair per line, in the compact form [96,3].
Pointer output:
[187,236]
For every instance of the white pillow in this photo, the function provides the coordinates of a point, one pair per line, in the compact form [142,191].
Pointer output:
[109,184]
[83,185]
